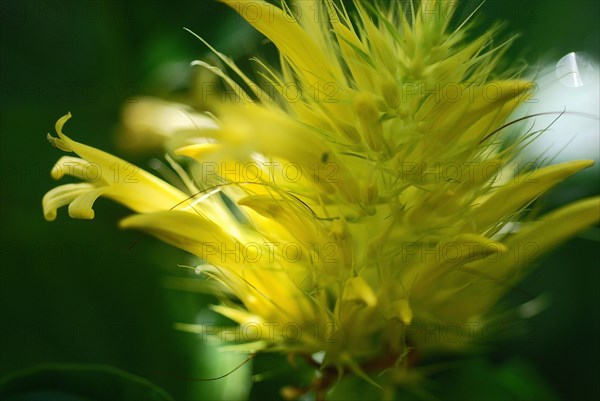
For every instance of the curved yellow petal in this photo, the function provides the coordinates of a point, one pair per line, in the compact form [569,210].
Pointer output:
[119,180]
[291,40]
[548,232]
[61,196]
[490,278]
[511,197]
[81,207]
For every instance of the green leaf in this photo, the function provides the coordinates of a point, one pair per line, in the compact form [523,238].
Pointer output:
[77,382]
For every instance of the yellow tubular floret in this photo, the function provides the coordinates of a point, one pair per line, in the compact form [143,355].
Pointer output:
[109,176]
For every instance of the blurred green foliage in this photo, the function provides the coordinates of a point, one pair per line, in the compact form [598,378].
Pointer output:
[73,382]
[74,292]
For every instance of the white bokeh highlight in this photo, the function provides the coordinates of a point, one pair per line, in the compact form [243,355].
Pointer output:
[570,84]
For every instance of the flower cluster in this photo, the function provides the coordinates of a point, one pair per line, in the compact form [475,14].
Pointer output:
[360,205]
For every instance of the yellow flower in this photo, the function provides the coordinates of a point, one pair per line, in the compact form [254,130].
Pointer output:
[359,190]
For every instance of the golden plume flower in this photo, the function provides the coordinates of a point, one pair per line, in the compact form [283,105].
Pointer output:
[359,189]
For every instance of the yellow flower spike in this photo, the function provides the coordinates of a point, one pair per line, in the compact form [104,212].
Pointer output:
[378,197]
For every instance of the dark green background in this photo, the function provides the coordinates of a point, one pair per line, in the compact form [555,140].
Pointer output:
[72,292]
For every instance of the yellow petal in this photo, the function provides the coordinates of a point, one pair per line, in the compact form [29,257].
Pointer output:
[553,229]
[291,40]
[75,167]
[512,197]
[81,207]
[357,290]
[61,196]
[449,255]
[184,230]
[491,278]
